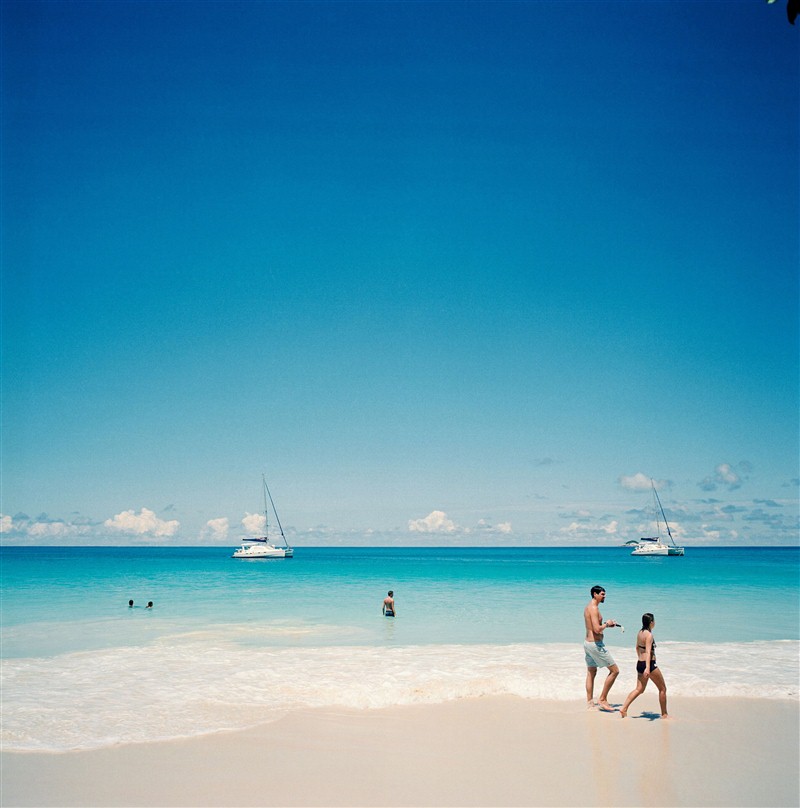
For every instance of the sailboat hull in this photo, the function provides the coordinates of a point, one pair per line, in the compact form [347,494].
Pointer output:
[652,550]
[656,549]
[262,551]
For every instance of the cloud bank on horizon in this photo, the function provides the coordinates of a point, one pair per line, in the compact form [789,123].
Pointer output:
[699,521]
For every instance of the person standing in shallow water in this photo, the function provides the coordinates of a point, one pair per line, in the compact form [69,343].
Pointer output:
[646,668]
[597,655]
[388,605]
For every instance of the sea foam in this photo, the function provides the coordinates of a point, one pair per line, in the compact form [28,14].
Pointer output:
[192,686]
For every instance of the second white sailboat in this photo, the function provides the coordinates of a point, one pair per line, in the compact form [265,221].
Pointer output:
[263,546]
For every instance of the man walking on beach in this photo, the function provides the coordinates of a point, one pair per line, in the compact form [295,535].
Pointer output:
[597,656]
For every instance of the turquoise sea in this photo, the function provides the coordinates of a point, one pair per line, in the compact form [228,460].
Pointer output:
[232,643]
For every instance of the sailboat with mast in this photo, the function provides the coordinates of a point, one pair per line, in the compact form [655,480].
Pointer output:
[263,546]
[652,545]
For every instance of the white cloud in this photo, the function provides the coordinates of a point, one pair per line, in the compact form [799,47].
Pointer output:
[724,475]
[728,513]
[434,522]
[635,482]
[709,534]
[254,523]
[41,529]
[145,522]
[728,476]
[218,528]
[678,530]
[487,527]
[580,528]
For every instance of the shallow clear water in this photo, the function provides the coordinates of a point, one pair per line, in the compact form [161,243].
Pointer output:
[231,643]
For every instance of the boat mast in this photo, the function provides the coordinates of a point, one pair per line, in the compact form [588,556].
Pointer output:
[661,508]
[266,509]
[274,510]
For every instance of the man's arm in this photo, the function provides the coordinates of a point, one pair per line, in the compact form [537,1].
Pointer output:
[594,619]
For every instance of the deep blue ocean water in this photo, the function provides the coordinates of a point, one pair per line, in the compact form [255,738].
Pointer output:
[232,642]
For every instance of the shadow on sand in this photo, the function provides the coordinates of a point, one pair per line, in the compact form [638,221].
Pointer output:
[650,716]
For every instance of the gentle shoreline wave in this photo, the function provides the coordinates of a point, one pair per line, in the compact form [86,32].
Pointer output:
[93,699]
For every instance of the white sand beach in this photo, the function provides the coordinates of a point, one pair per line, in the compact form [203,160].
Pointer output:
[494,751]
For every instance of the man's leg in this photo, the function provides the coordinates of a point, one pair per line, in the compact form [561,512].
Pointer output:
[613,672]
[590,674]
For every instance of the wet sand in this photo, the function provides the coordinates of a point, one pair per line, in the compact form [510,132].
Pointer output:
[494,751]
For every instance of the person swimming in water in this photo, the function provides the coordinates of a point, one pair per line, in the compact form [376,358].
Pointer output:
[646,667]
[388,605]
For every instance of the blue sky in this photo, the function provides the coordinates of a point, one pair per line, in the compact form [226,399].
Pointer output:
[446,272]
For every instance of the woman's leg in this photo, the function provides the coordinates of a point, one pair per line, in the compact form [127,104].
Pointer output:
[637,691]
[658,680]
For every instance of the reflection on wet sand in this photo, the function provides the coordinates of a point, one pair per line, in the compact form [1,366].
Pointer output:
[621,776]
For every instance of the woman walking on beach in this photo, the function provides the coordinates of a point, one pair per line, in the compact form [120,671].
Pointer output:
[646,667]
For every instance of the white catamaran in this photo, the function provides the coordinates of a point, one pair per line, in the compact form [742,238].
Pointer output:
[262,547]
[652,545]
